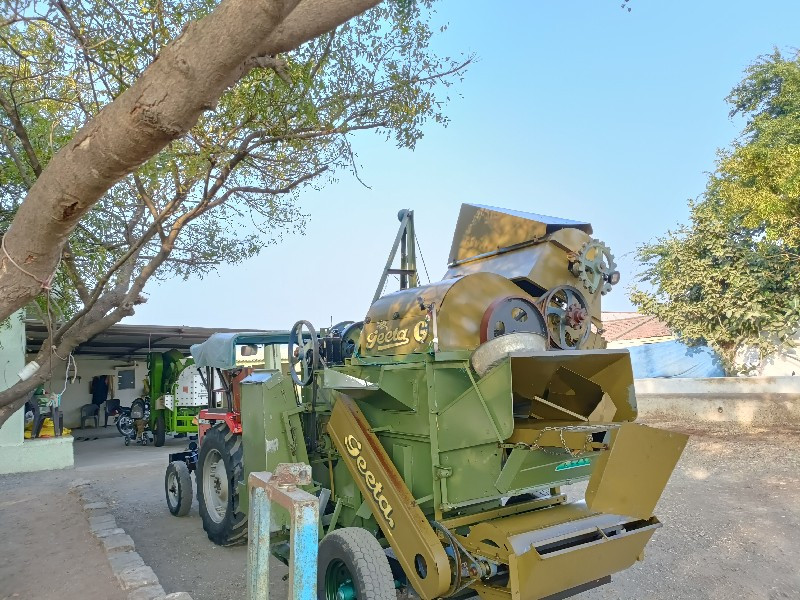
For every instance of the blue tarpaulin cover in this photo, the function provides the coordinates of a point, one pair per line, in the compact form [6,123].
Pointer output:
[674,359]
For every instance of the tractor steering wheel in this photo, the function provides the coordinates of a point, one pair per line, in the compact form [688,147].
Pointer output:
[302,352]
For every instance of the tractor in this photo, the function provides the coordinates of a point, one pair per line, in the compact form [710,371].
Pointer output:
[442,429]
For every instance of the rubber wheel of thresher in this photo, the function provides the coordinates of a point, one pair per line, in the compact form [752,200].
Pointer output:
[219,471]
[353,566]
[178,488]
[160,430]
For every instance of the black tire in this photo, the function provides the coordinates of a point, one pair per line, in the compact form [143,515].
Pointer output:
[355,552]
[125,425]
[178,488]
[160,431]
[224,523]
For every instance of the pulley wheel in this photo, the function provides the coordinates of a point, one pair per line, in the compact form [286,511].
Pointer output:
[303,353]
[350,338]
[567,315]
[512,314]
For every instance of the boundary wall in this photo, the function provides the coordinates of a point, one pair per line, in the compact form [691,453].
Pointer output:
[745,400]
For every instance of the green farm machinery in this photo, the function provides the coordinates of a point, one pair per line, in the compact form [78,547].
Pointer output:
[442,429]
[176,394]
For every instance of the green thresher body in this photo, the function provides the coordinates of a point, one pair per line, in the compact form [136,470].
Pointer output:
[464,407]
[164,368]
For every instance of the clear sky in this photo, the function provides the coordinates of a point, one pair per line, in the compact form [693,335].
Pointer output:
[574,109]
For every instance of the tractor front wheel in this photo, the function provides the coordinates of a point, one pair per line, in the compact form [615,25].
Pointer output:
[178,487]
[219,471]
[160,429]
[353,566]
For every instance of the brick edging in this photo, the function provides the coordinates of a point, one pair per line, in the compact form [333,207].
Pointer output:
[133,575]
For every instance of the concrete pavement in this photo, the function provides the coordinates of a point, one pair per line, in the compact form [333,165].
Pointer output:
[731,517]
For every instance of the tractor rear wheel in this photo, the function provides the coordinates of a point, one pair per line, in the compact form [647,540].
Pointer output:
[352,565]
[219,471]
[178,487]
[161,429]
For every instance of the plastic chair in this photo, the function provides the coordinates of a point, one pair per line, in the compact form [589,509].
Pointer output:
[112,408]
[38,418]
[88,412]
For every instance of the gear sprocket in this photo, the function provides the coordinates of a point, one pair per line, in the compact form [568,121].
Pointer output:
[594,265]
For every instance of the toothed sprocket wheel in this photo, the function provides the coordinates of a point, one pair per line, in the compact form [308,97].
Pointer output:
[594,265]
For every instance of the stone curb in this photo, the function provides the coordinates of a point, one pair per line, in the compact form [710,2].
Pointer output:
[133,575]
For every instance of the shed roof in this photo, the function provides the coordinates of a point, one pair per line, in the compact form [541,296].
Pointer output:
[130,340]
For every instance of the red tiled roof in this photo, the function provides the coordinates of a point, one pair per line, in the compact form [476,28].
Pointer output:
[632,326]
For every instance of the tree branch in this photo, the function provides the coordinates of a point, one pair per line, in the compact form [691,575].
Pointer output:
[188,77]
[263,190]
[148,202]
[21,167]
[22,134]
[68,260]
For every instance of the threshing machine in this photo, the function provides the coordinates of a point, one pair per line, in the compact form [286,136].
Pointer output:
[441,428]
[176,394]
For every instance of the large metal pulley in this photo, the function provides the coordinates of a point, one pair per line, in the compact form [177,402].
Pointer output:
[512,314]
[303,353]
[567,315]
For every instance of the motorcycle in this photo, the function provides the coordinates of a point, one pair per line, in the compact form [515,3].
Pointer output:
[123,421]
[140,423]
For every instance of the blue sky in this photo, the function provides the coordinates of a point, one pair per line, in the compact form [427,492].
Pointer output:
[574,109]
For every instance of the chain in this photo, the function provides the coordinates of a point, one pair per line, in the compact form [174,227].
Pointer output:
[587,443]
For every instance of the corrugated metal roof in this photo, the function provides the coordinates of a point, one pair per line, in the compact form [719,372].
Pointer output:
[129,340]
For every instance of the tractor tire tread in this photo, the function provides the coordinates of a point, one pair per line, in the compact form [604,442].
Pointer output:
[234,530]
[160,433]
[184,488]
[365,559]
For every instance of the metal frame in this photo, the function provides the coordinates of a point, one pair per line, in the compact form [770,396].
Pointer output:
[406,241]
[282,487]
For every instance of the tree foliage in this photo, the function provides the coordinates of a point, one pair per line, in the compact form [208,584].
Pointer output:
[230,186]
[759,177]
[731,277]
[720,282]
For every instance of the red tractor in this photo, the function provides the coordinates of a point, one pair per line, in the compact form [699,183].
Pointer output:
[216,457]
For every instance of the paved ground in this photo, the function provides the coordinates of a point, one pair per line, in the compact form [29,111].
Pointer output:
[132,480]
[731,517]
[41,525]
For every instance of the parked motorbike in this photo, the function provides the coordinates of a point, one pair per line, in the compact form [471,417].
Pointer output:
[140,423]
[123,421]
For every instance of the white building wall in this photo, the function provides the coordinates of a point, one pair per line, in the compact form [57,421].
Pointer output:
[16,453]
[12,357]
[78,393]
[785,361]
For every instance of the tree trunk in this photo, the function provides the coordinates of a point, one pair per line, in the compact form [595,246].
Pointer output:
[189,76]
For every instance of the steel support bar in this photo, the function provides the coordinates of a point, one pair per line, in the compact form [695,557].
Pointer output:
[281,487]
